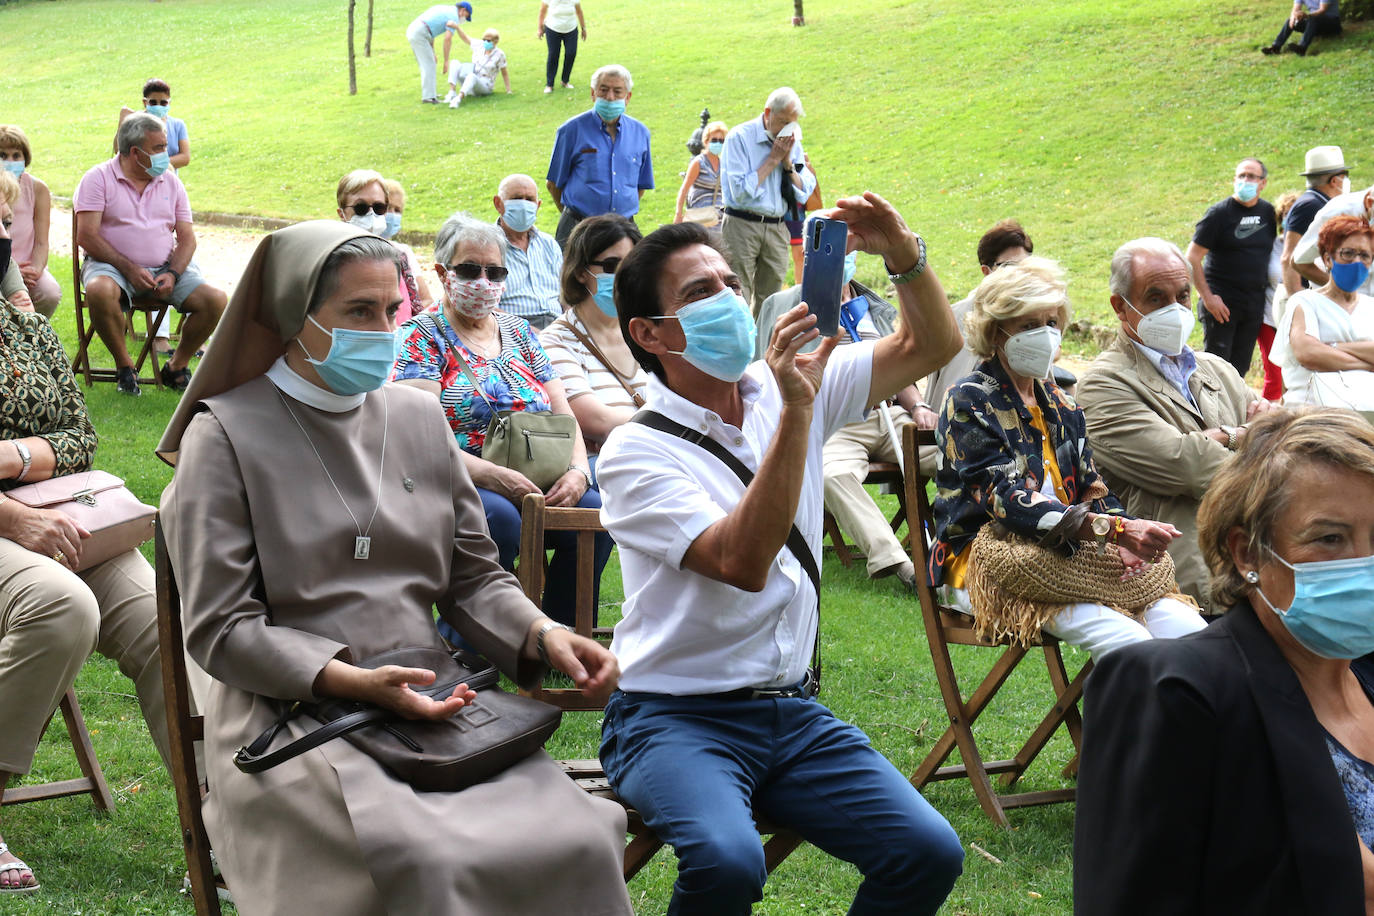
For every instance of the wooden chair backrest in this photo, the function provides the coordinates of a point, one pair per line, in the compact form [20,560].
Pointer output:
[184,729]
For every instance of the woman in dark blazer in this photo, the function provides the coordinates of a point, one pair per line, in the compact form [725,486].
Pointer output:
[1230,771]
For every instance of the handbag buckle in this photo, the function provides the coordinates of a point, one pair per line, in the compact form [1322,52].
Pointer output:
[85,497]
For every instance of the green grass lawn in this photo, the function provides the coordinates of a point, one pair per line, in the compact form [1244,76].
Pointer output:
[1092,121]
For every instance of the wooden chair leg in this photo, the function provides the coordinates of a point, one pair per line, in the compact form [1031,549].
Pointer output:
[779,846]
[85,752]
[1065,704]
[832,531]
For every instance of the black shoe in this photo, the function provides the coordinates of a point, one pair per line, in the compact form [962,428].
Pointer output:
[1292,49]
[1267,50]
[1306,52]
[177,380]
[128,382]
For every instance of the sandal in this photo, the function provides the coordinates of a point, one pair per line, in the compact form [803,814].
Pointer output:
[20,867]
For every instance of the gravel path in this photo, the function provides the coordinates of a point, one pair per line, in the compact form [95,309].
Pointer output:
[222,252]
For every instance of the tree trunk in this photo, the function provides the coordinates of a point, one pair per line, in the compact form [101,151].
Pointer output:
[352,62]
[798,17]
[367,44]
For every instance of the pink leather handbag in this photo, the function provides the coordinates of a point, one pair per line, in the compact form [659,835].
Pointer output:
[99,502]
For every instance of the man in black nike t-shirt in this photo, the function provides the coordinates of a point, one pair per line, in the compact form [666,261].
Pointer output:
[1236,238]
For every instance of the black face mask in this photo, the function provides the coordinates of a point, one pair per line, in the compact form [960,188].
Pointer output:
[5,246]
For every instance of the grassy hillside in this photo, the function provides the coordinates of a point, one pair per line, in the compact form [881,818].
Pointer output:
[1092,121]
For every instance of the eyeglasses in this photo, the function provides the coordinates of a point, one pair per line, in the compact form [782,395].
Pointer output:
[361,208]
[1352,254]
[607,265]
[1249,176]
[466,271]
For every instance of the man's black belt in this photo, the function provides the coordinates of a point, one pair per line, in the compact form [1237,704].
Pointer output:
[806,687]
[752,217]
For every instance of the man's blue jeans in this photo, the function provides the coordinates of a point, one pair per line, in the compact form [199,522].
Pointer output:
[695,767]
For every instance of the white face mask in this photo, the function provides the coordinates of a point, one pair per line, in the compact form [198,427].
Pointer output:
[1031,353]
[369,222]
[1166,329]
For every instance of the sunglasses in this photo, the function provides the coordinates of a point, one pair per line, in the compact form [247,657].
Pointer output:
[608,266]
[495,272]
[361,207]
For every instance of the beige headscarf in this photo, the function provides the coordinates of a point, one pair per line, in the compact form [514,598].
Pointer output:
[266,313]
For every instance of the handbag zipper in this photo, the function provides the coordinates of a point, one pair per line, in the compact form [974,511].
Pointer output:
[529,446]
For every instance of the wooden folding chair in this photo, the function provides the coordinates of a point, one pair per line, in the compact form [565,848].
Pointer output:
[879,472]
[92,781]
[536,520]
[184,729]
[152,310]
[946,626]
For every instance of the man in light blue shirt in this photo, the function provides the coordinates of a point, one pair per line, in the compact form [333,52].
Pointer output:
[534,259]
[601,161]
[763,171]
[440,19]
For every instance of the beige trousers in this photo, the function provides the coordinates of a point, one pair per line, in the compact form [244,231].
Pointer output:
[845,460]
[51,619]
[758,253]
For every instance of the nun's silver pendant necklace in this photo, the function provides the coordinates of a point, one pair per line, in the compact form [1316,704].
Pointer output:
[362,544]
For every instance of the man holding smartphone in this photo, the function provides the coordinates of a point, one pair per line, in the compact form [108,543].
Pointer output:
[713,495]
[762,172]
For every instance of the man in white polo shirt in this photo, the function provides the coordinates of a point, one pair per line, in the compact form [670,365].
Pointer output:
[717,714]
[134,222]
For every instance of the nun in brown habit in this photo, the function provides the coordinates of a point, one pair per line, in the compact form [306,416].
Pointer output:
[314,519]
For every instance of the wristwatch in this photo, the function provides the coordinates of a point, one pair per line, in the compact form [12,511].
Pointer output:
[916,269]
[544,631]
[25,456]
[1102,526]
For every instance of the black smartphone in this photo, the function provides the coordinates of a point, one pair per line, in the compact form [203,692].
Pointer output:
[823,271]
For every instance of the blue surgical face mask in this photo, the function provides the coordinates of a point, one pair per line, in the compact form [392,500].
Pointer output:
[157,163]
[393,225]
[851,261]
[720,335]
[157,111]
[15,167]
[519,215]
[1330,613]
[1349,277]
[608,110]
[1246,190]
[488,44]
[715,146]
[604,296]
[357,361]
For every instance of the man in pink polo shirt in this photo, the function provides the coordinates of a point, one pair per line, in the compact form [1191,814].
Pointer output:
[134,222]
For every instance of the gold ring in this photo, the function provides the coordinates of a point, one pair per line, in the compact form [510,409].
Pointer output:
[60,557]
[777,349]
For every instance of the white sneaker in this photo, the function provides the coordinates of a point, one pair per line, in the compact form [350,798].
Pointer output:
[455,101]
[548,89]
[451,96]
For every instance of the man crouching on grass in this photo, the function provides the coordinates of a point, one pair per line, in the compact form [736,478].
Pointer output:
[716,716]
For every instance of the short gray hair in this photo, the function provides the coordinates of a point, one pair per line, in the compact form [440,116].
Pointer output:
[613,70]
[461,229]
[361,248]
[784,98]
[1123,262]
[510,181]
[135,129]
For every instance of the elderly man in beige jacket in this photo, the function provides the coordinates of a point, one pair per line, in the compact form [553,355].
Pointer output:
[1161,417]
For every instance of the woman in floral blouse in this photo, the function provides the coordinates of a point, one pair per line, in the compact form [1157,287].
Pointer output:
[506,358]
[1015,451]
[51,616]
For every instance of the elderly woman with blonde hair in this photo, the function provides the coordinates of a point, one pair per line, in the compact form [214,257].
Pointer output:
[1231,772]
[700,199]
[1017,486]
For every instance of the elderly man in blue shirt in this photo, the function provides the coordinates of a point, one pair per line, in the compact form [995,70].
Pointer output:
[601,161]
[763,171]
[534,259]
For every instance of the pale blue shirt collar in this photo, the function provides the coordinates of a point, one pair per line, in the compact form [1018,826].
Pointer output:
[1175,369]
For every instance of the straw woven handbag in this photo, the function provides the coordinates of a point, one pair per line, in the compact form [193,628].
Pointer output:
[1016,586]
